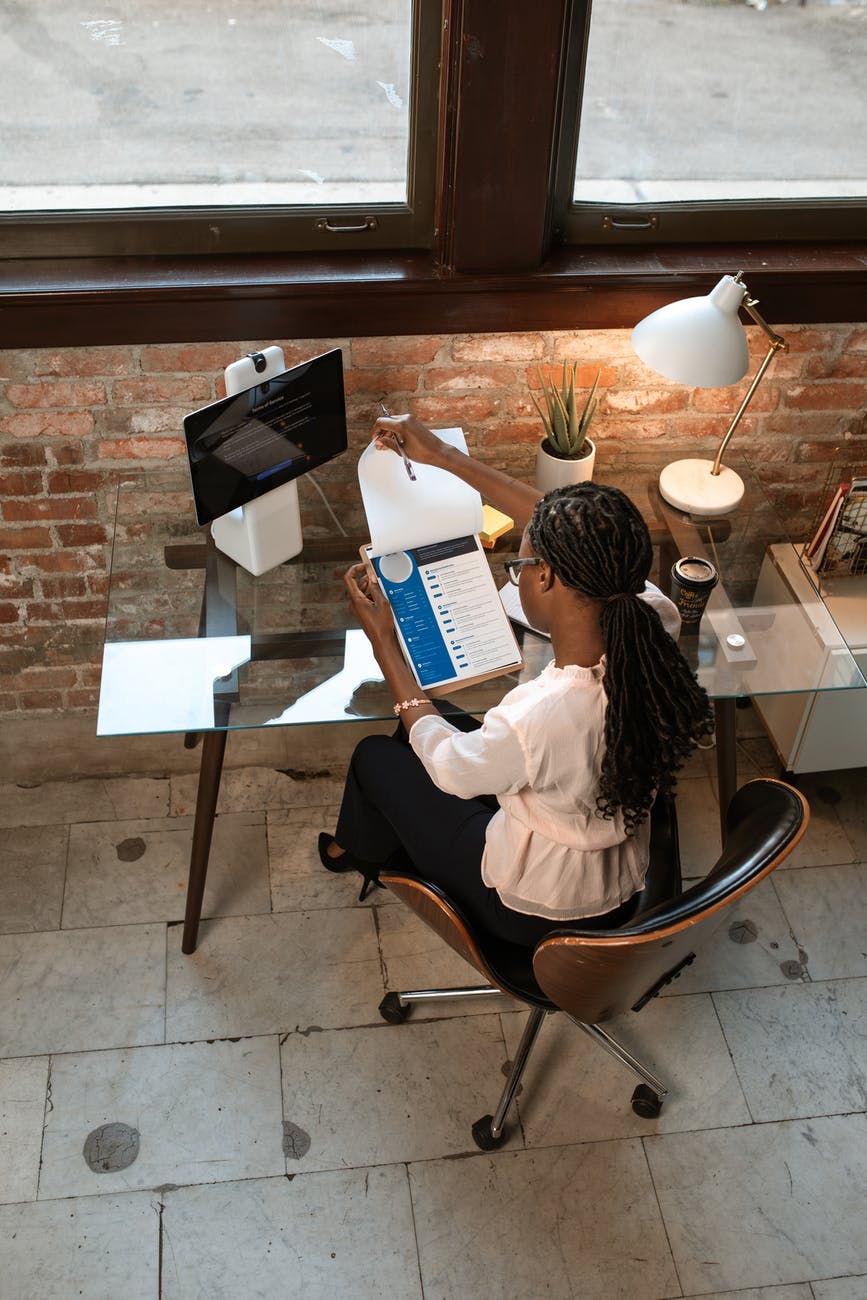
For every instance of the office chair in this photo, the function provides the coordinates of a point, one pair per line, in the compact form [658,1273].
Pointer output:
[594,975]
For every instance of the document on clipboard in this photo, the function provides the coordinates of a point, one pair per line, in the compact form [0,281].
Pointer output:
[430,564]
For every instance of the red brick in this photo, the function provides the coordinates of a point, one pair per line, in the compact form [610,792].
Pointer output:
[444,412]
[63,481]
[816,452]
[16,455]
[185,359]
[9,613]
[48,424]
[82,534]
[20,485]
[851,365]
[42,612]
[411,350]
[41,700]
[463,378]
[82,698]
[594,347]
[825,397]
[585,376]
[525,435]
[15,588]
[788,366]
[150,388]
[23,539]
[28,397]
[74,363]
[65,585]
[83,611]
[384,383]
[498,347]
[783,423]
[49,508]
[652,401]
[141,449]
[45,678]
[147,504]
[765,398]
[57,562]
[68,455]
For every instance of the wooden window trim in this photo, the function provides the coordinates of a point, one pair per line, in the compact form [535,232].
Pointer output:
[169,300]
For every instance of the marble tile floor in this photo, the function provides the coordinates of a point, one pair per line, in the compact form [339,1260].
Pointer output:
[241,1124]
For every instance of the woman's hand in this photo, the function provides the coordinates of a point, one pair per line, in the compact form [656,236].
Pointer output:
[370,607]
[418,441]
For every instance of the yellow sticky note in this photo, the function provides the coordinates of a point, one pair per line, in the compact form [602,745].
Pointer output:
[494,525]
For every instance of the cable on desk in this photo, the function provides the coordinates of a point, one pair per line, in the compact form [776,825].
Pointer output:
[311,478]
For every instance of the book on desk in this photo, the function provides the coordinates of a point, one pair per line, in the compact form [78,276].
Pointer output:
[428,558]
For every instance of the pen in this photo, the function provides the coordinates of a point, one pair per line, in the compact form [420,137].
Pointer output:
[409,469]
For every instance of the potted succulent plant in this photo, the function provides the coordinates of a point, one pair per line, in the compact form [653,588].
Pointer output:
[566,454]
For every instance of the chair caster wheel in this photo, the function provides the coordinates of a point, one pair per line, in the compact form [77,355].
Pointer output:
[646,1102]
[483,1137]
[391,1010]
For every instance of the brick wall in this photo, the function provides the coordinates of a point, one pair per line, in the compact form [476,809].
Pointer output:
[73,421]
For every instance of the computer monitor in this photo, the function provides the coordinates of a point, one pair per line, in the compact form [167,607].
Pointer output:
[246,451]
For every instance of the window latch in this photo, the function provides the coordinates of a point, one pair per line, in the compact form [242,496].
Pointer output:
[644,222]
[324,224]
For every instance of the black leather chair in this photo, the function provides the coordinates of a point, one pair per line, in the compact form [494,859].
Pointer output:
[593,975]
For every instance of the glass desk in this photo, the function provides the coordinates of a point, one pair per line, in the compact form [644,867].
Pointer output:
[196,645]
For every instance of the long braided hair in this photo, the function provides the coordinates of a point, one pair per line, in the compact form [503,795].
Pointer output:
[597,543]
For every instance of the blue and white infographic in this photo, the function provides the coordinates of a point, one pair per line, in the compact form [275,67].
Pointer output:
[447,610]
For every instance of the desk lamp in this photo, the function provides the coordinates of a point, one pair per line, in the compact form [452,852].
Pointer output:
[701,342]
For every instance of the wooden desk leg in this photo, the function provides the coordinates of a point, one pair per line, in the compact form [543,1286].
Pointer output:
[210,770]
[726,757]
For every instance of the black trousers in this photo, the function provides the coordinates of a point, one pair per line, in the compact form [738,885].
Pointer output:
[392,809]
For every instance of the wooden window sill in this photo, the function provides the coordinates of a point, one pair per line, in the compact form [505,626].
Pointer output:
[90,301]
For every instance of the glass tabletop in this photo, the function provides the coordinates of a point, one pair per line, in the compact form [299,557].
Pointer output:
[193,642]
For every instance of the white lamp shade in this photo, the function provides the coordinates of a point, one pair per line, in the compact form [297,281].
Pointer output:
[697,341]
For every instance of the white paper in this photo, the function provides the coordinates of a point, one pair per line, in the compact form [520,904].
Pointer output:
[402,514]
[510,597]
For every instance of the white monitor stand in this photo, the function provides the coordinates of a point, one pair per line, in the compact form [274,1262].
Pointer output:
[267,531]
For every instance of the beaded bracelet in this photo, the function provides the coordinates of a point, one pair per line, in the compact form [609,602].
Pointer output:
[408,704]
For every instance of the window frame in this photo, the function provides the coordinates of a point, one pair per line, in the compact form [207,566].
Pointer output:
[263,228]
[486,272]
[682,222]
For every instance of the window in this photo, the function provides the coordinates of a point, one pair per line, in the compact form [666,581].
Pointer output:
[219,126]
[719,119]
[490,237]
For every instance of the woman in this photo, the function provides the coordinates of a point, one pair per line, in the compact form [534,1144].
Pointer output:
[538,816]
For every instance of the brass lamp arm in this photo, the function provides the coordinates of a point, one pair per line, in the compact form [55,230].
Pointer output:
[777,344]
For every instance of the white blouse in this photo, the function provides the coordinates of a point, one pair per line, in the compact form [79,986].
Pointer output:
[547,850]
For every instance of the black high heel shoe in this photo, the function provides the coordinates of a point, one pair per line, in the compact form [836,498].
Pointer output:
[346,862]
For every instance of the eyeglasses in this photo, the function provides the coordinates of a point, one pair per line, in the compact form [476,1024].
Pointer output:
[513,567]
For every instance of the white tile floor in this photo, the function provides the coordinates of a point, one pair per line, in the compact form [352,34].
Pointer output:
[291,1144]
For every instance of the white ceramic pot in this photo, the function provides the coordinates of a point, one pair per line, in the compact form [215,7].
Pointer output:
[558,471]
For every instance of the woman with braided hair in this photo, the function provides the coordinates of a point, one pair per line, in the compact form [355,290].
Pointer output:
[538,816]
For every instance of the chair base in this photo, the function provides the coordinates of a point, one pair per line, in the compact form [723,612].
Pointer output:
[489,1131]
[395,1007]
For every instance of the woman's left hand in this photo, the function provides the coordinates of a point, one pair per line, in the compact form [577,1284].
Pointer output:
[370,606]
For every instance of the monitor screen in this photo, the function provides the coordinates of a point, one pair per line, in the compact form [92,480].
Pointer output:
[245,445]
